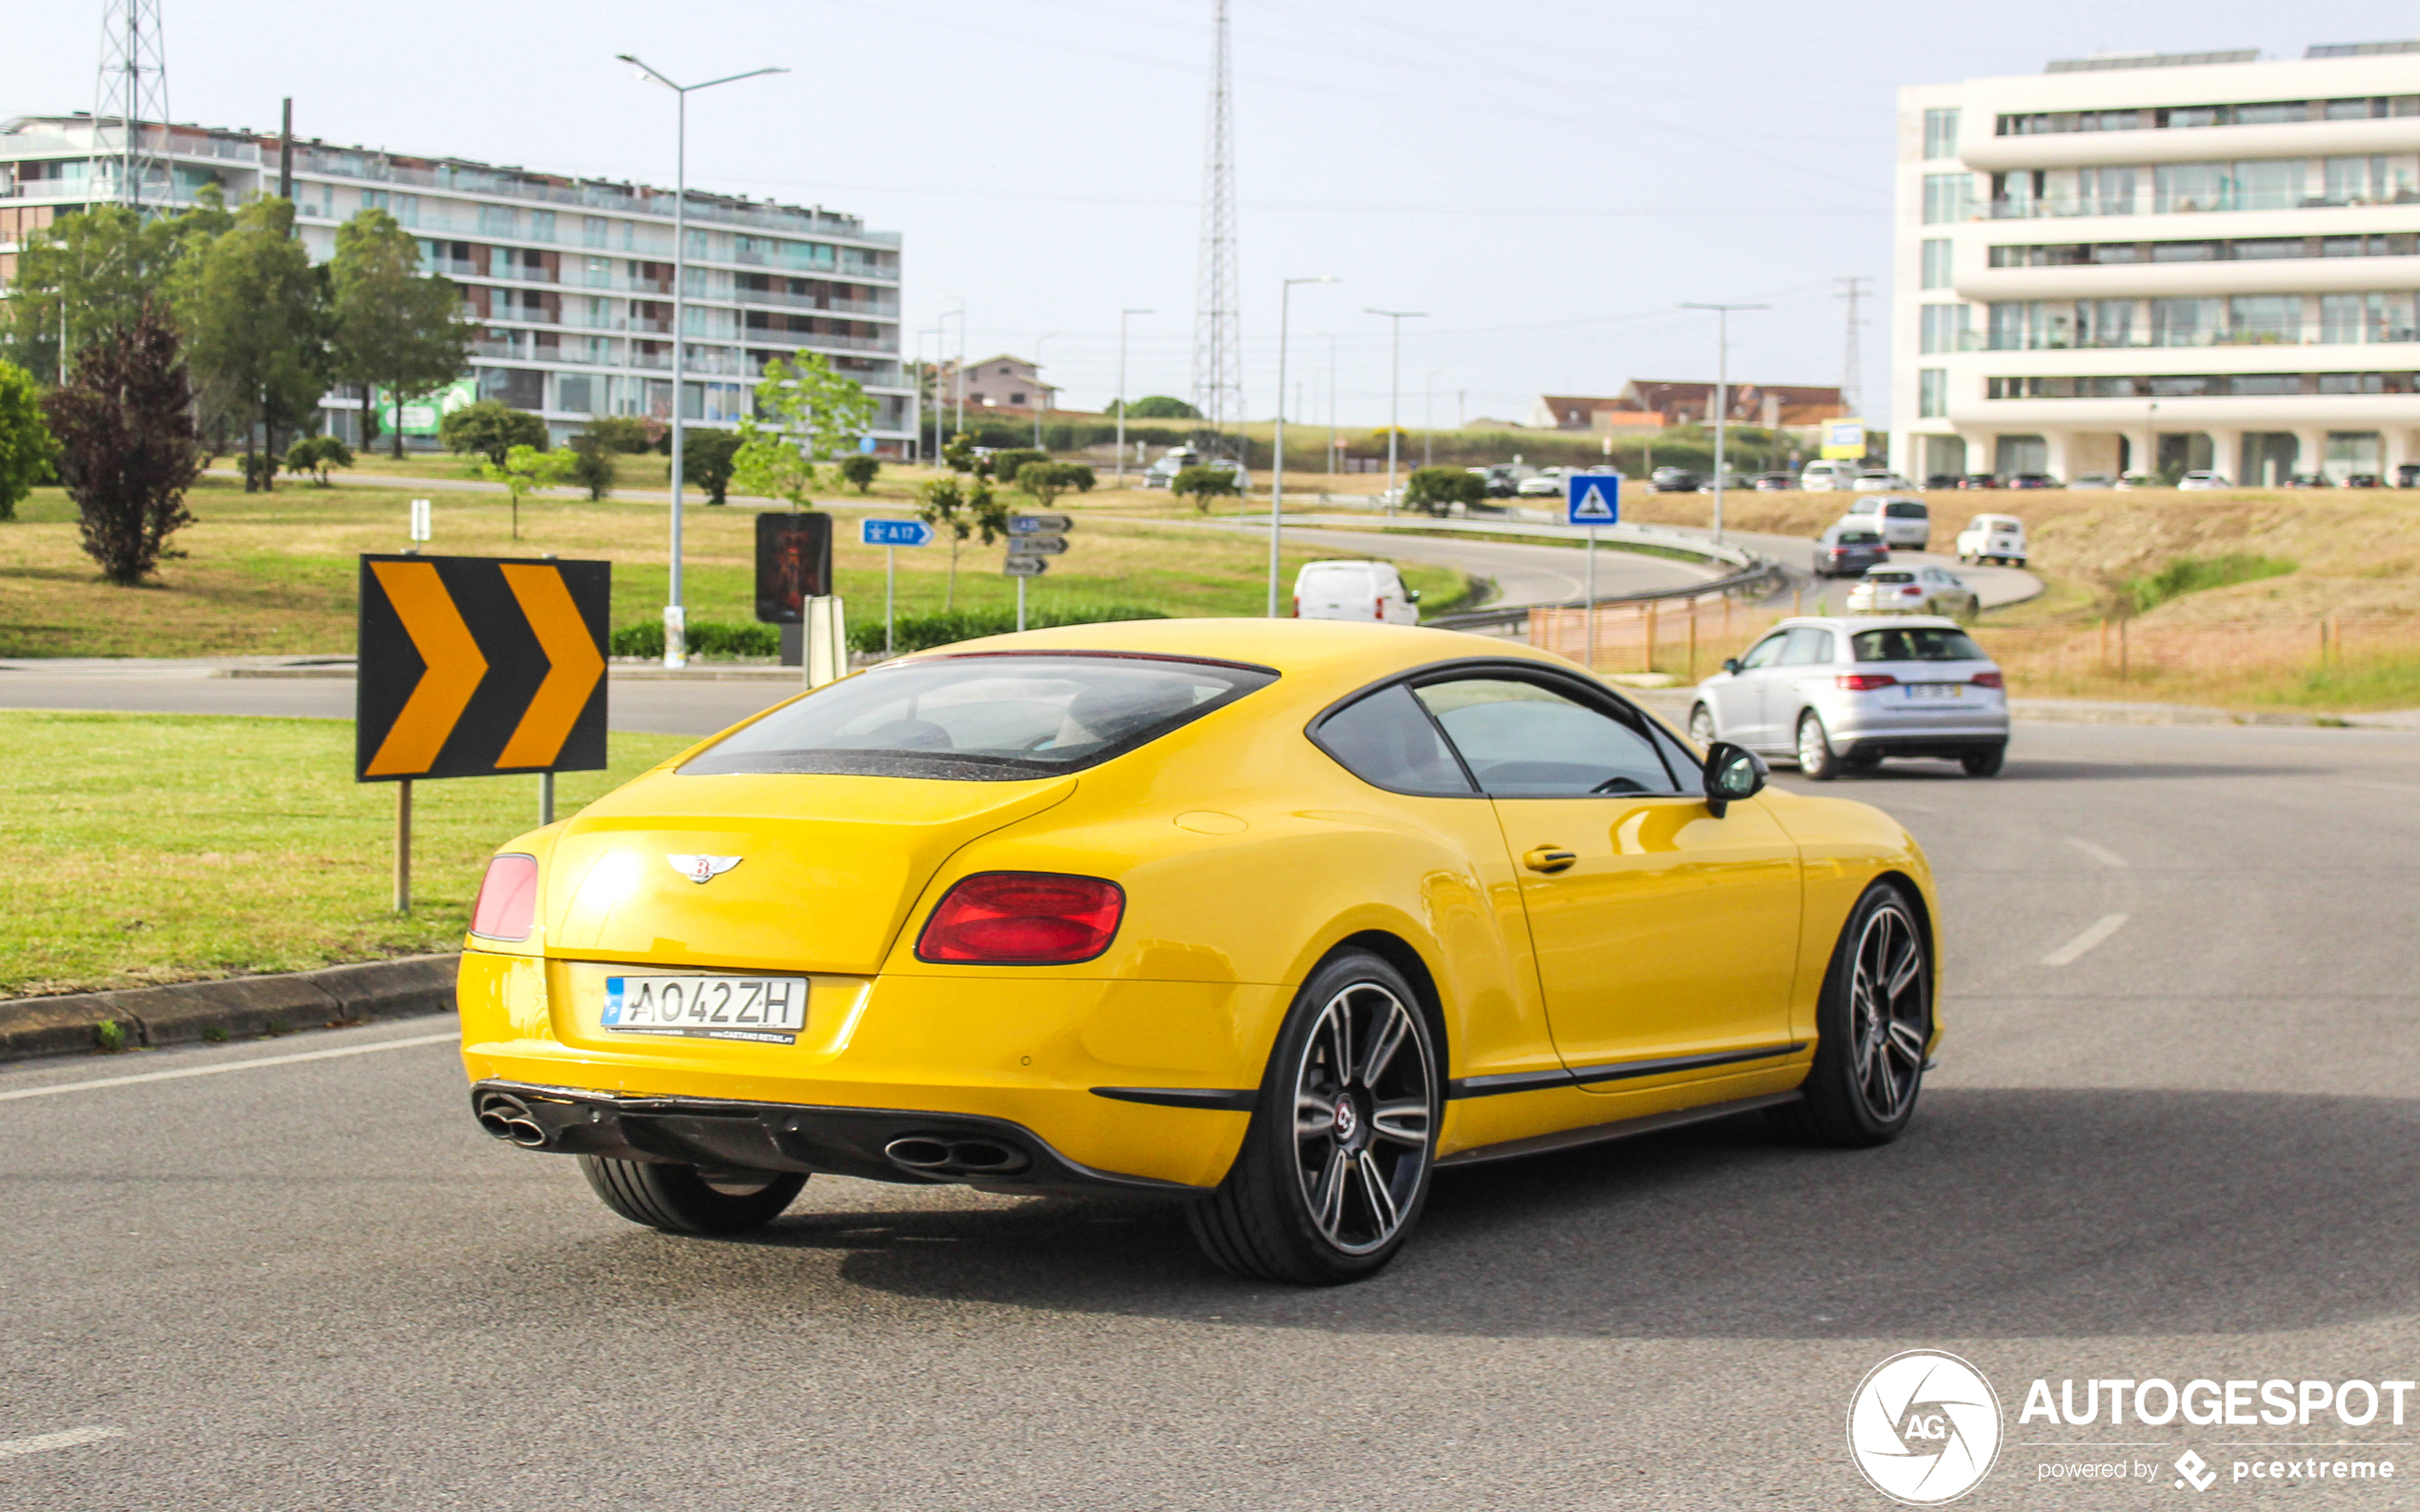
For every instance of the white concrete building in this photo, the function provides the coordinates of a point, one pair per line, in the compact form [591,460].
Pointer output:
[569,279]
[2196,260]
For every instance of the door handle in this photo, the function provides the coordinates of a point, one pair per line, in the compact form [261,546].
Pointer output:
[1548,858]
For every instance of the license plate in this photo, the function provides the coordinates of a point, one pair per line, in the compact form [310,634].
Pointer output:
[1936,690]
[768,1009]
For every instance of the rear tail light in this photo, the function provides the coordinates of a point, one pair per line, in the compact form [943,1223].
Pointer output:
[1864,681]
[1990,679]
[1298,606]
[1378,612]
[1023,919]
[508,899]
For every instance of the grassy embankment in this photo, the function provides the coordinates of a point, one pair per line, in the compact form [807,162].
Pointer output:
[275,573]
[147,848]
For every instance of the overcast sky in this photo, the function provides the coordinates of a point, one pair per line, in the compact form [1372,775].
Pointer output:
[1546,178]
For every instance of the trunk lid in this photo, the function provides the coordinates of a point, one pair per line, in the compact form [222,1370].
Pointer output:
[827,868]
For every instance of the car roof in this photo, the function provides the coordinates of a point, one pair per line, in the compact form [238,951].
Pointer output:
[1850,624]
[1360,650]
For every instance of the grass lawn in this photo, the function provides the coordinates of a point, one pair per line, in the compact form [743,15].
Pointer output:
[275,573]
[150,848]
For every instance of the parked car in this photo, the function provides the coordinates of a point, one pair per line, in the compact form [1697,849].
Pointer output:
[1826,477]
[2408,474]
[1171,911]
[2204,479]
[1497,479]
[2031,480]
[1841,694]
[2132,480]
[1546,483]
[1904,523]
[1876,480]
[1943,480]
[1676,480]
[2092,480]
[1993,538]
[1913,591]
[1980,480]
[2359,480]
[1342,588]
[2307,480]
[1164,471]
[1773,482]
[1847,551]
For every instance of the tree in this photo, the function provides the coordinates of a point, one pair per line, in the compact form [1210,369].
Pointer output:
[87,274]
[706,459]
[315,454]
[1436,489]
[1205,484]
[1157,407]
[813,413]
[592,465]
[858,471]
[126,455]
[255,316]
[492,429]
[629,435]
[526,468]
[1045,481]
[26,447]
[394,325]
[1005,464]
[961,508]
[958,454]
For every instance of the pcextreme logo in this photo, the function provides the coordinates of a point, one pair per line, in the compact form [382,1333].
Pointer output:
[1924,1427]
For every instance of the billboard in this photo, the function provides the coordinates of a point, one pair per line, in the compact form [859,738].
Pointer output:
[422,413]
[1843,439]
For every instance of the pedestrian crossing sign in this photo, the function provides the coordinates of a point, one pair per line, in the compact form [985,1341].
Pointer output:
[1592,498]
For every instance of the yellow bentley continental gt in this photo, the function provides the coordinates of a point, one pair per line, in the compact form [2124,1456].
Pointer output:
[1270,917]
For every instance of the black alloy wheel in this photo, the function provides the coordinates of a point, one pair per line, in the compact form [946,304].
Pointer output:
[689,1199]
[1873,1026]
[1336,1165]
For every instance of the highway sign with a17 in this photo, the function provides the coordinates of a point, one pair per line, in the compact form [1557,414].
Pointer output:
[1024,567]
[1592,498]
[1041,524]
[1037,545]
[874,532]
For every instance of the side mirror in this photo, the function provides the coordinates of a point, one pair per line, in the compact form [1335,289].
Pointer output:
[1411,596]
[1730,664]
[1732,773]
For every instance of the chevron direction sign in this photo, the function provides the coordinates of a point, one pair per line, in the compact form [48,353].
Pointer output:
[478,666]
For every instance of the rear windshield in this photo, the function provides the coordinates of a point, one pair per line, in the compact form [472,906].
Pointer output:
[983,718]
[1915,643]
[1858,538]
[1890,577]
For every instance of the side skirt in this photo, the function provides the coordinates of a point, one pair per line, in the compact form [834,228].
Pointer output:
[1620,1129]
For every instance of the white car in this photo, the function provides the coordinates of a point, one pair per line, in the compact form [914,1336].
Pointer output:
[1827,477]
[1913,591]
[1353,589]
[1875,481]
[1842,693]
[1992,539]
[1547,484]
[1905,524]
[2204,479]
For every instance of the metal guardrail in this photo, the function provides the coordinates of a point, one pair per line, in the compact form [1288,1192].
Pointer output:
[1764,576]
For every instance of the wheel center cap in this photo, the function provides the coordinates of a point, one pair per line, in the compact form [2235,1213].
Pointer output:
[1349,1120]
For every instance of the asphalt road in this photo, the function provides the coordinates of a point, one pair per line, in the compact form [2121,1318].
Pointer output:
[2185,1152]
[1523,573]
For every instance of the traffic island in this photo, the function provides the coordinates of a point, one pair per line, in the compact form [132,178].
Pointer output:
[230,1008]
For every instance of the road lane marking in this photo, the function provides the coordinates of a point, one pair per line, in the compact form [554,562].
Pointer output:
[2099,853]
[66,1440]
[2065,954]
[232,1065]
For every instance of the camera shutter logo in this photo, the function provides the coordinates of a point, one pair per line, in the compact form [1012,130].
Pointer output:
[1924,1427]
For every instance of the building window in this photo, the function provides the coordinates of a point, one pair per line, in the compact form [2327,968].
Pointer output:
[595,231]
[1932,394]
[499,220]
[541,225]
[2264,319]
[1948,197]
[2104,322]
[1936,263]
[1941,134]
[1941,328]
[2184,322]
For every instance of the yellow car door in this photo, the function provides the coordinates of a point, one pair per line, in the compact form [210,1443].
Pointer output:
[1666,939]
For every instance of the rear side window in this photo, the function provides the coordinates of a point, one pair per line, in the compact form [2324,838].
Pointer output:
[983,718]
[1916,643]
[1388,741]
[1808,647]
[1523,741]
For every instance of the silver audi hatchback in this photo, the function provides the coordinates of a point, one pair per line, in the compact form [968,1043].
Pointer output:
[1842,693]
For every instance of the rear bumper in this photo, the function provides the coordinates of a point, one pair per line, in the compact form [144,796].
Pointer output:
[877,1144]
[1933,743]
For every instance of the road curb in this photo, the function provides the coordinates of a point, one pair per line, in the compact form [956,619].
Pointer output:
[230,1008]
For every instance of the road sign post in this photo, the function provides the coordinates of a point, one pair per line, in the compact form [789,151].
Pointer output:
[1592,500]
[1032,537]
[892,534]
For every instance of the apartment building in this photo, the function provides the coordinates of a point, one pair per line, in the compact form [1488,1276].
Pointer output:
[2182,260]
[569,279]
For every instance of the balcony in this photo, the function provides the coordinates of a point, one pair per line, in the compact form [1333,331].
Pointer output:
[880,310]
[519,272]
[816,338]
[2060,206]
[2324,336]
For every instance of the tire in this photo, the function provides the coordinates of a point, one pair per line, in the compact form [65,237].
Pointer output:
[682,1200]
[1327,1186]
[1985,763]
[1702,727]
[1816,759]
[1870,1044]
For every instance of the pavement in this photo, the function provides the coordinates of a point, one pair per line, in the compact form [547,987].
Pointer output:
[2169,1135]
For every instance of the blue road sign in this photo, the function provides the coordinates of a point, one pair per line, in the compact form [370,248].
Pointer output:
[1592,498]
[894,533]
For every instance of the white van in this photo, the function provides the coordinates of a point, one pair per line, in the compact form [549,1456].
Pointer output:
[1905,524]
[1354,590]
[1826,477]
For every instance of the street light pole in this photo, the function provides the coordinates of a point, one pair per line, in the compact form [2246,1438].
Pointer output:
[676,640]
[1277,466]
[1122,391]
[1395,382]
[1722,403]
[1428,419]
[1041,391]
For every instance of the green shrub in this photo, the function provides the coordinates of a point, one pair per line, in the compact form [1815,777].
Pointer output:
[110,1035]
[857,471]
[627,433]
[315,454]
[922,631]
[2192,575]
[591,462]
[707,637]
[1205,484]
[1436,489]
[491,428]
[1004,464]
[706,459]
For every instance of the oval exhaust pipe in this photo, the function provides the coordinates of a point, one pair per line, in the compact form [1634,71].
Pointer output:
[983,1157]
[919,1153]
[509,1120]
